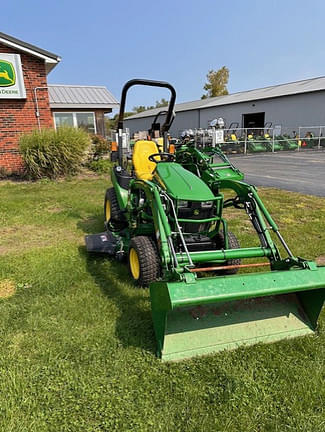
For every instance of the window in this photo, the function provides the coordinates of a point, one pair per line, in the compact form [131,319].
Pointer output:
[63,119]
[84,120]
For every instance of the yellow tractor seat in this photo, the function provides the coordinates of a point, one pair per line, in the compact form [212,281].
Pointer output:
[143,167]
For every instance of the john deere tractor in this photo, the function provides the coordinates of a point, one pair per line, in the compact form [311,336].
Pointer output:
[164,215]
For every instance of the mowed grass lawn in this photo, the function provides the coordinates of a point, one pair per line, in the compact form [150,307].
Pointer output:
[77,348]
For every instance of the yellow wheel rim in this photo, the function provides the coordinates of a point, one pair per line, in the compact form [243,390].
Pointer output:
[108,211]
[134,264]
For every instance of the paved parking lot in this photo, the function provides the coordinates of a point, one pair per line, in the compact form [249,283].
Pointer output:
[295,171]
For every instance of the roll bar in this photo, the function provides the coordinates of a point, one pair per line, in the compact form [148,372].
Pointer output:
[170,110]
[150,83]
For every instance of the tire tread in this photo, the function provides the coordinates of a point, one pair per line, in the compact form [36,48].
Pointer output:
[148,259]
[117,221]
[233,244]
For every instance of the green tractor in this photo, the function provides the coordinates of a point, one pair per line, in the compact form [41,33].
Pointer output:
[287,143]
[256,143]
[271,143]
[164,215]
[264,142]
[232,143]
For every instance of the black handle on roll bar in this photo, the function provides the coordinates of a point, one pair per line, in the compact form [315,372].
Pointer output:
[159,114]
[164,112]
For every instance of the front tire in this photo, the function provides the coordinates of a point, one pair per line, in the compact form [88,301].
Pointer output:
[144,262]
[233,244]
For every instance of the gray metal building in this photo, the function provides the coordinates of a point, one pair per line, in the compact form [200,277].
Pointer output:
[300,103]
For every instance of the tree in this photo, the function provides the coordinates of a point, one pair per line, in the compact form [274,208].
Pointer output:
[111,122]
[217,83]
[138,109]
[162,103]
[159,104]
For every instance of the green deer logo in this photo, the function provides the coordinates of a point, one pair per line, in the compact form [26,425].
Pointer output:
[7,74]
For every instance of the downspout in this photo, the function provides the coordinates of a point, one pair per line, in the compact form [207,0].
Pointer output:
[37,113]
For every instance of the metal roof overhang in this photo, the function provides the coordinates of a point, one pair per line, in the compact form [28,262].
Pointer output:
[54,106]
[51,60]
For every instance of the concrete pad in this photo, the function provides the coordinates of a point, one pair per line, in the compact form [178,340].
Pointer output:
[302,171]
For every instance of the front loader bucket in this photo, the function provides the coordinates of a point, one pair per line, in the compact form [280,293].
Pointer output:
[219,313]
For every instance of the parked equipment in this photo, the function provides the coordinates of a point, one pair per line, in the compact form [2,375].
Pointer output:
[232,143]
[255,142]
[309,141]
[290,143]
[263,141]
[271,143]
[165,214]
[287,142]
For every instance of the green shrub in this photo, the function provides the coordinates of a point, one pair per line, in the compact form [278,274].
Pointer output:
[99,146]
[53,153]
[4,173]
[102,166]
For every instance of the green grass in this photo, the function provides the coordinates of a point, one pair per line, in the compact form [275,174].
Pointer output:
[77,344]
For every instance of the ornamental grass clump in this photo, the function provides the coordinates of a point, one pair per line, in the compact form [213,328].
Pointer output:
[54,153]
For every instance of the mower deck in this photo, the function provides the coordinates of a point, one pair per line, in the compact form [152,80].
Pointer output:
[104,243]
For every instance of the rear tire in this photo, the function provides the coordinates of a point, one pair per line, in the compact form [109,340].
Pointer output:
[144,261]
[114,217]
[233,244]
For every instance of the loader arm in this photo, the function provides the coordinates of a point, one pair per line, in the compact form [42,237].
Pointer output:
[224,175]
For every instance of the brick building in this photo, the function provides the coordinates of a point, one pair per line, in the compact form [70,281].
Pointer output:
[28,102]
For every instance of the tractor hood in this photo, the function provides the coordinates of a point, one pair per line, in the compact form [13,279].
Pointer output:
[181,183]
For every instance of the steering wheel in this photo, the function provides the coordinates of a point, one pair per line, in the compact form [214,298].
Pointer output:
[164,157]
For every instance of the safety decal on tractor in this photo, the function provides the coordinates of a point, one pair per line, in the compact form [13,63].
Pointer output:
[7,74]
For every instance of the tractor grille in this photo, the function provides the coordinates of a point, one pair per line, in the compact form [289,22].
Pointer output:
[195,210]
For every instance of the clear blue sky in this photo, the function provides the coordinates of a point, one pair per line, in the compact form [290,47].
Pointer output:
[105,42]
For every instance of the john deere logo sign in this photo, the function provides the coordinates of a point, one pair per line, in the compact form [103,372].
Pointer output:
[11,77]
[7,74]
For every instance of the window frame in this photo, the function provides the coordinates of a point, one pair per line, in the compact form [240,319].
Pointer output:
[74,118]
